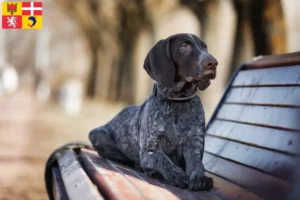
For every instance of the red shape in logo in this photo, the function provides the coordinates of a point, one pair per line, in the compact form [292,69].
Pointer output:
[11,22]
[11,7]
[32,8]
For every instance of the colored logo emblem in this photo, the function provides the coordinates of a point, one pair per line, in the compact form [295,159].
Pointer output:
[11,8]
[22,15]
[33,19]
[12,22]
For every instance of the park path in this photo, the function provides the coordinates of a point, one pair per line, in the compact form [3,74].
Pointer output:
[30,131]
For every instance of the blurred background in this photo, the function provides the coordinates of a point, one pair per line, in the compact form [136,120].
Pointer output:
[86,64]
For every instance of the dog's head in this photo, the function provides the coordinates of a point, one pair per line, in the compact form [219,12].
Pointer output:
[181,58]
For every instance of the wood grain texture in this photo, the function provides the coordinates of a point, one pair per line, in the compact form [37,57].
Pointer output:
[158,189]
[59,190]
[77,183]
[271,61]
[253,139]
[135,185]
[274,139]
[263,185]
[270,76]
[273,163]
[278,117]
[110,182]
[276,96]
[229,190]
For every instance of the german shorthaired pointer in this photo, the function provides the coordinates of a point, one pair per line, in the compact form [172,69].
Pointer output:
[165,135]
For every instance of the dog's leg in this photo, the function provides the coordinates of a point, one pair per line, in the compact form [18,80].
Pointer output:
[193,153]
[159,162]
[106,147]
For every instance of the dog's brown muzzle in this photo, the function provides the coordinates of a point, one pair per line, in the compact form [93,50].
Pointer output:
[210,67]
[210,72]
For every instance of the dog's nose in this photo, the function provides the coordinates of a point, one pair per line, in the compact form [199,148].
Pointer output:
[211,63]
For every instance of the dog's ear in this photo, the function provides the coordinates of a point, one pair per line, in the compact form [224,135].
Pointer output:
[159,64]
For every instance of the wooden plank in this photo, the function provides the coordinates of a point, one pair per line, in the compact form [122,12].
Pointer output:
[276,164]
[274,61]
[284,96]
[77,183]
[270,76]
[229,190]
[148,187]
[280,117]
[110,182]
[275,139]
[222,189]
[263,185]
[162,189]
[59,190]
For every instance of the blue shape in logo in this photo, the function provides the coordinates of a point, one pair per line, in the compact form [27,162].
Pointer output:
[33,19]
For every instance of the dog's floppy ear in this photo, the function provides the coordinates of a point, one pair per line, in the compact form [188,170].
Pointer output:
[159,64]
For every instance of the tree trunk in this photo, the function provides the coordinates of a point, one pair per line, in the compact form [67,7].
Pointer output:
[112,28]
[243,43]
[268,27]
[134,19]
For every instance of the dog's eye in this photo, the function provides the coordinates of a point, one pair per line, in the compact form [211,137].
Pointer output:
[204,46]
[185,46]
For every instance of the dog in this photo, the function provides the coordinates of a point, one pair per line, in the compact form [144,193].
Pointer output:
[165,134]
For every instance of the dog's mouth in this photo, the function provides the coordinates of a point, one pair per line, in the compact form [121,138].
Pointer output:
[209,74]
[202,81]
[204,77]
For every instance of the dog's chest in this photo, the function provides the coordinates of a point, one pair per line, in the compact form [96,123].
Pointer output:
[177,126]
[170,124]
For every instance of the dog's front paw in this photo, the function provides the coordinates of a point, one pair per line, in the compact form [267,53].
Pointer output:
[200,182]
[177,178]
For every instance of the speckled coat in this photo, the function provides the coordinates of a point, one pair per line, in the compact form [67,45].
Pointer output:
[165,135]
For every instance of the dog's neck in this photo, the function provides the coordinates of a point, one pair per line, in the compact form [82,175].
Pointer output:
[182,91]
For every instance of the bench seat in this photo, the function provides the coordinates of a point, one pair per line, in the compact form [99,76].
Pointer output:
[252,146]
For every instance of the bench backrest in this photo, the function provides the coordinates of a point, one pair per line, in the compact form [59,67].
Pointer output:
[253,137]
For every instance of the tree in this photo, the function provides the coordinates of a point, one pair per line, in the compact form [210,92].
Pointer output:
[111,28]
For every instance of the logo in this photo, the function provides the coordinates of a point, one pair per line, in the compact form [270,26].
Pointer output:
[22,15]
[31,18]
[12,22]
[32,8]
[11,7]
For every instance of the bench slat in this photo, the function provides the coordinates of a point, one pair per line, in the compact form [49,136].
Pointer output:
[269,76]
[148,187]
[261,184]
[161,190]
[77,183]
[277,96]
[229,190]
[275,139]
[272,61]
[274,163]
[58,185]
[222,189]
[277,117]
[109,181]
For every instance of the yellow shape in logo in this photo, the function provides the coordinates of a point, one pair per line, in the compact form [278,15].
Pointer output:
[11,8]
[32,22]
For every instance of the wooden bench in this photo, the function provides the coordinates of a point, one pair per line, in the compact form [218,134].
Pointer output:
[252,146]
